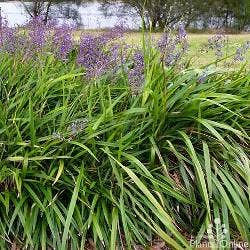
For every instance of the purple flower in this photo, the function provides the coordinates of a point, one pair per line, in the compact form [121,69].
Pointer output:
[77,126]
[165,41]
[114,33]
[173,48]
[37,33]
[98,54]
[182,39]
[217,43]
[241,52]
[62,41]
[203,76]
[136,73]
[8,38]
[26,43]
[182,34]
[90,52]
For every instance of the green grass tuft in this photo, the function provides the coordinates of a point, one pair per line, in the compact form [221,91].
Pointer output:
[166,162]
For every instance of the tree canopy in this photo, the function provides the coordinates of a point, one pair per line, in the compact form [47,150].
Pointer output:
[40,7]
[160,14]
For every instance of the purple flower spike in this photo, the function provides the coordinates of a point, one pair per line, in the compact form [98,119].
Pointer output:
[241,52]
[90,52]
[115,33]
[63,41]
[136,73]
[217,43]
[8,37]
[182,32]
[203,76]
[37,33]
[8,40]
[98,54]
[173,48]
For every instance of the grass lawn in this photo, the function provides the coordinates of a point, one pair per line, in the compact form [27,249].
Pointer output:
[197,41]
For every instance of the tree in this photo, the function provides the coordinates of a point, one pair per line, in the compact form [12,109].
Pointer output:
[160,14]
[157,14]
[37,8]
[43,8]
[227,13]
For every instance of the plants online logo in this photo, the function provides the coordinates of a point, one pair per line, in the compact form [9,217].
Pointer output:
[218,237]
[217,233]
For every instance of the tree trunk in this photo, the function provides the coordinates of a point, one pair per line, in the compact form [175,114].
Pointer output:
[47,11]
[153,24]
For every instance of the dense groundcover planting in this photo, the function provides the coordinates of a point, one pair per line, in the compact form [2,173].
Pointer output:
[106,143]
